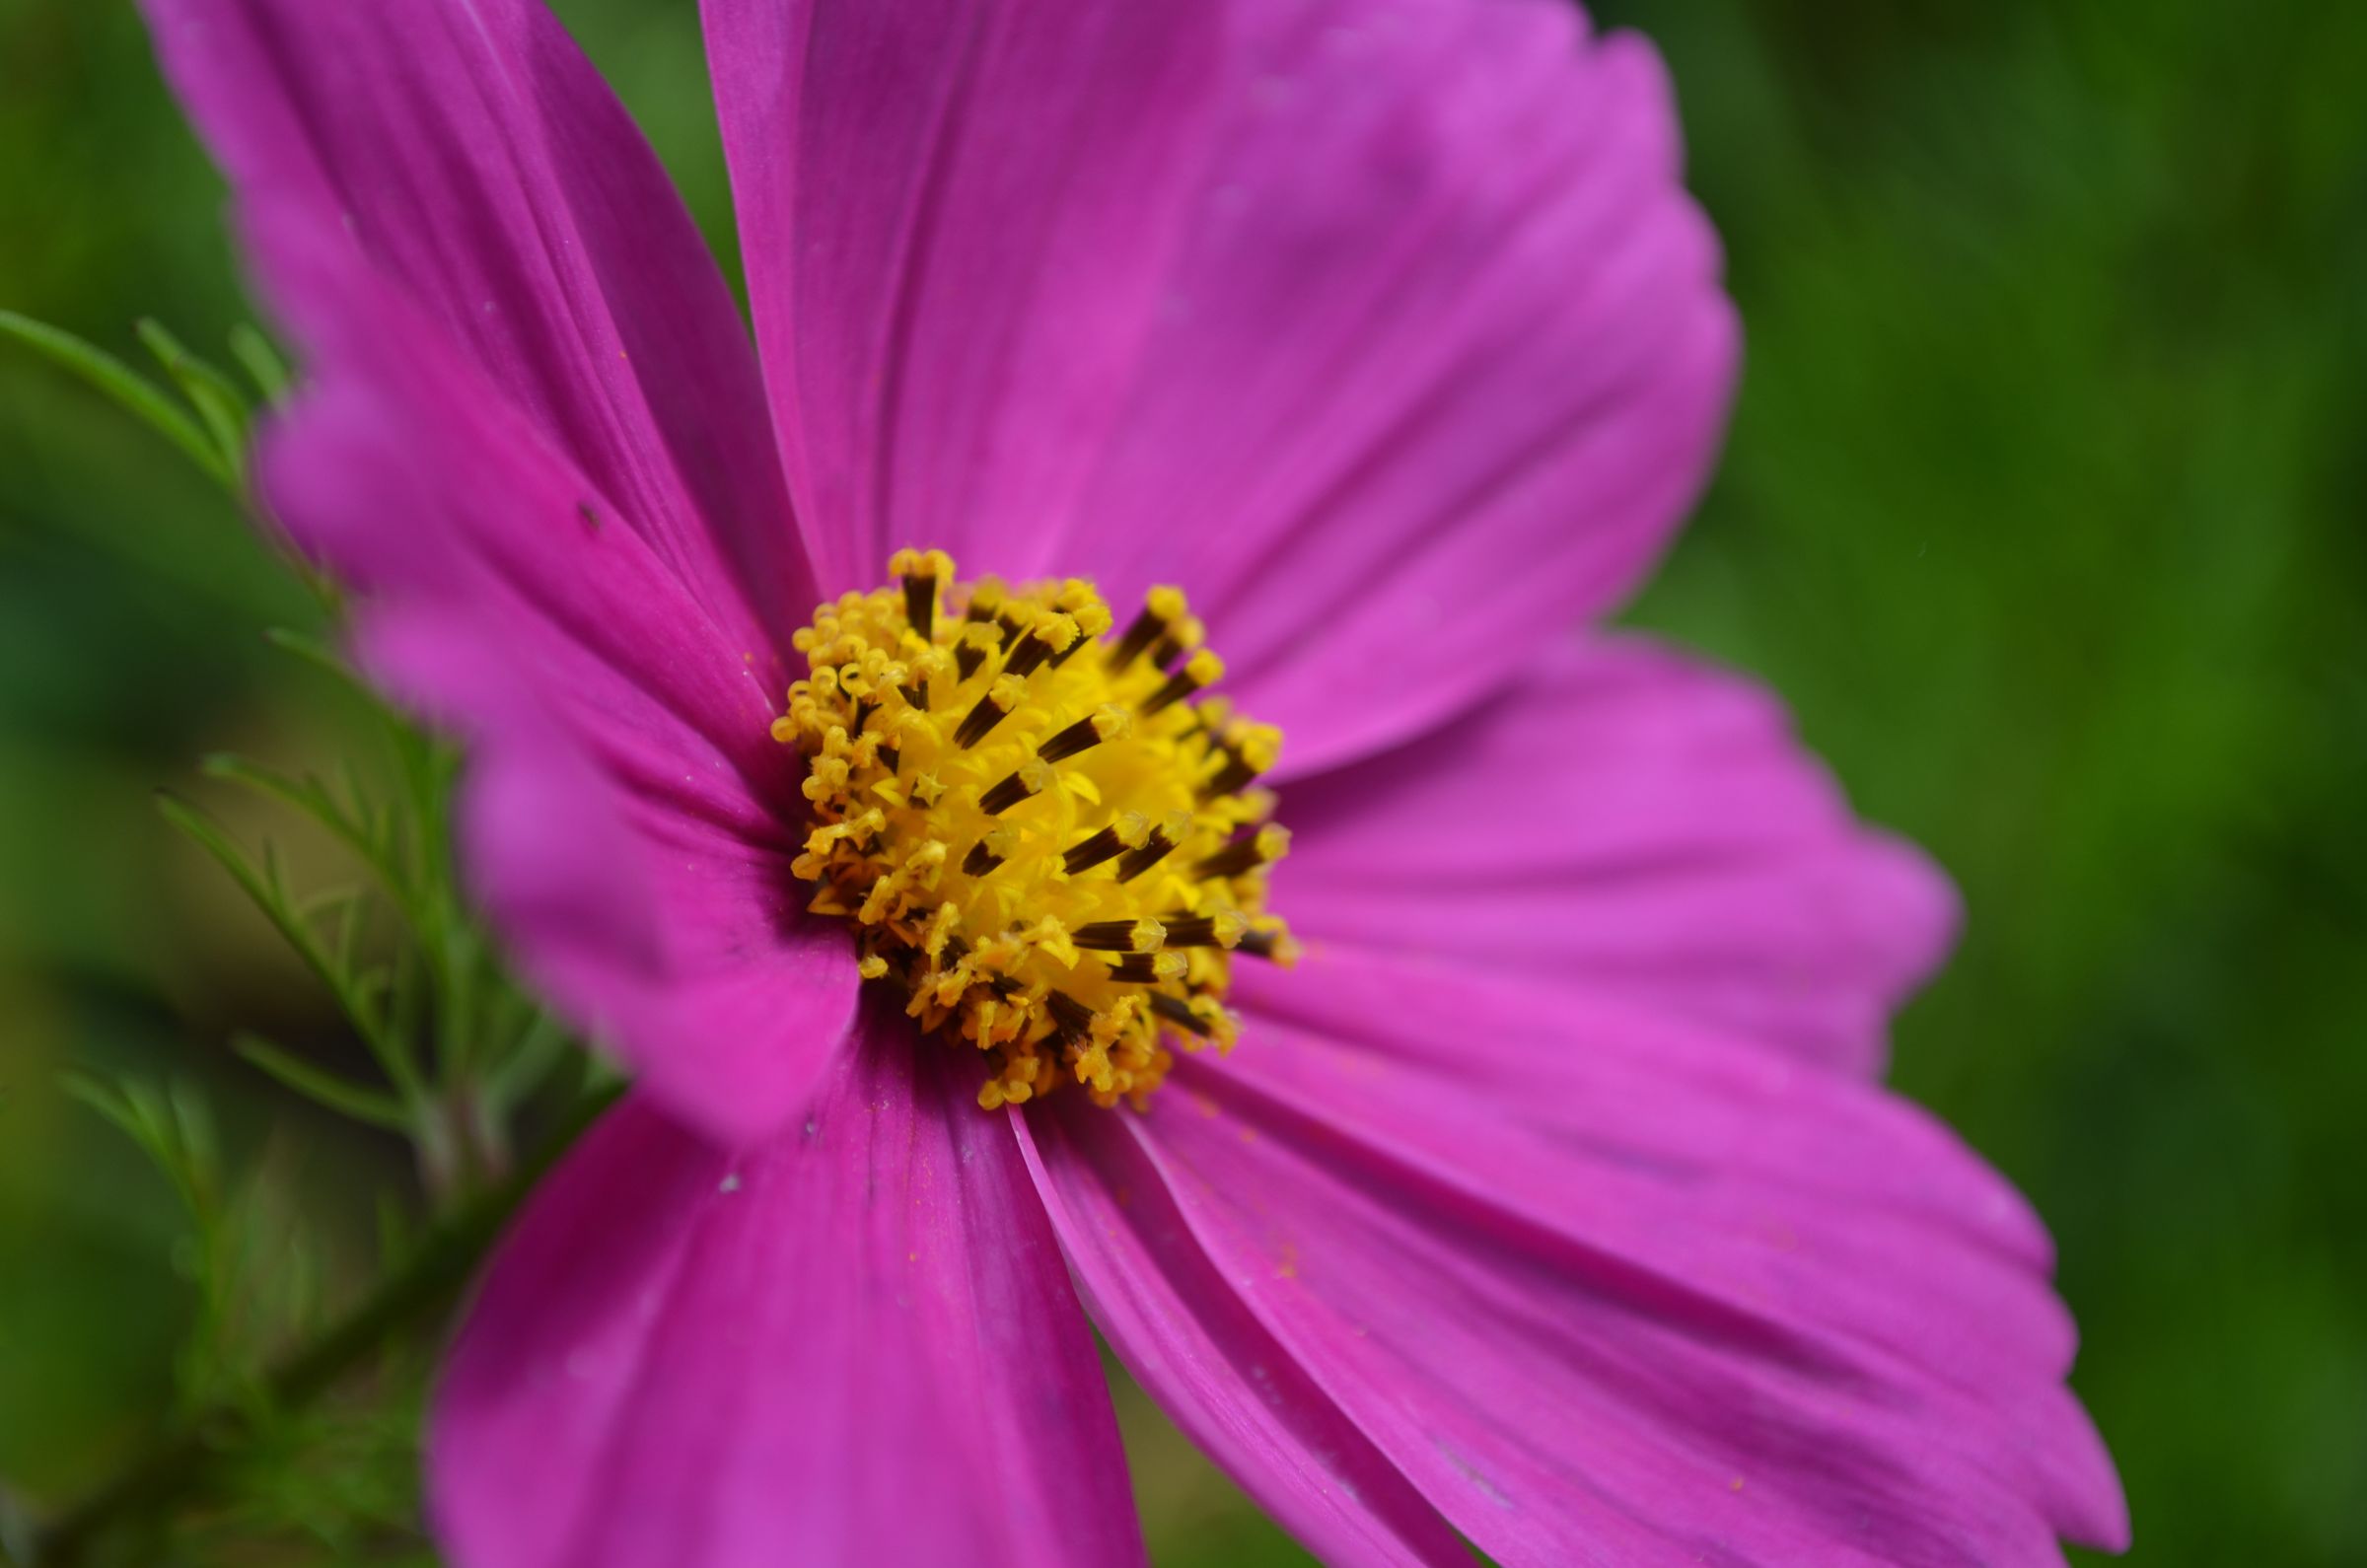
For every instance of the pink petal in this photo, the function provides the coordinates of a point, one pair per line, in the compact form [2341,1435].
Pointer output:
[1439,369]
[1387,332]
[1603,1282]
[479,163]
[1185,1336]
[533,440]
[623,806]
[1626,823]
[852,1345]
[954,215]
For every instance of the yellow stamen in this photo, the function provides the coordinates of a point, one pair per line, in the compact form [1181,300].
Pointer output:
[1070,934]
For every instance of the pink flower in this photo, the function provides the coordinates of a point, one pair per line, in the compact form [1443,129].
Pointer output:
[1547,1200]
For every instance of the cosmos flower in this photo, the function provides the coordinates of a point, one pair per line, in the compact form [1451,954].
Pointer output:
[1355,353]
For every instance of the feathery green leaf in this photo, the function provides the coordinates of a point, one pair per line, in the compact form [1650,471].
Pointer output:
[127,388]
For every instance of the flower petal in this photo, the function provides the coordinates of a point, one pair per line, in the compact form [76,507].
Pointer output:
[853,1345]
[1608,1283]
[488,177]
[953,214]
[1626,822]
[1387,332]
[533,440]
[1220,1376]
[1441,364]
[622,807]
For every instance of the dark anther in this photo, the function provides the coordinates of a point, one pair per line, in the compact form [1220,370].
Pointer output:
[1178,685]
[1103,845]
[1191,931]
[1243,854]
[1070,1016]
[974,723]
[1138,637]
[980,860]
[1175,1011]
[1136,968]
[1260,944]
[1008,792]
[1106,936]
[1078,736]
[1137,860]
[1031,652]
[921,604]
[1228,779]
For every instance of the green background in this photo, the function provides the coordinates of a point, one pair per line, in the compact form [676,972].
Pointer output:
[2042,507]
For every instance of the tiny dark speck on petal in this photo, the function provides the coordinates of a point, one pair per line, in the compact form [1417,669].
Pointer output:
[590,514]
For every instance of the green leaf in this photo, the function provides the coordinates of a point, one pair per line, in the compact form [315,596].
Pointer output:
[129,390]
[528,1061]
[115,1103]
[305,795]
[323,657]
[266,889]
[341,1094]
[171,1126]
[261,362]
[193,1127]
[216,397]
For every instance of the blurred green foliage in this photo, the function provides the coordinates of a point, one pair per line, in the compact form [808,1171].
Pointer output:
[2042,508]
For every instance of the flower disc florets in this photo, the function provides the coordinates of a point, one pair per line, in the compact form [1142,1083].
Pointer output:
[1049,839]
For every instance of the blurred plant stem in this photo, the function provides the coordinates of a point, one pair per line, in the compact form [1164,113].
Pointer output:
[179,1464]
[461,1056]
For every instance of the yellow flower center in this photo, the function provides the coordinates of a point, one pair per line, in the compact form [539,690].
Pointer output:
[1050,841]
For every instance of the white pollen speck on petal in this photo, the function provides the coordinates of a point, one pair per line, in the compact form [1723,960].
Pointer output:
[730,1183]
